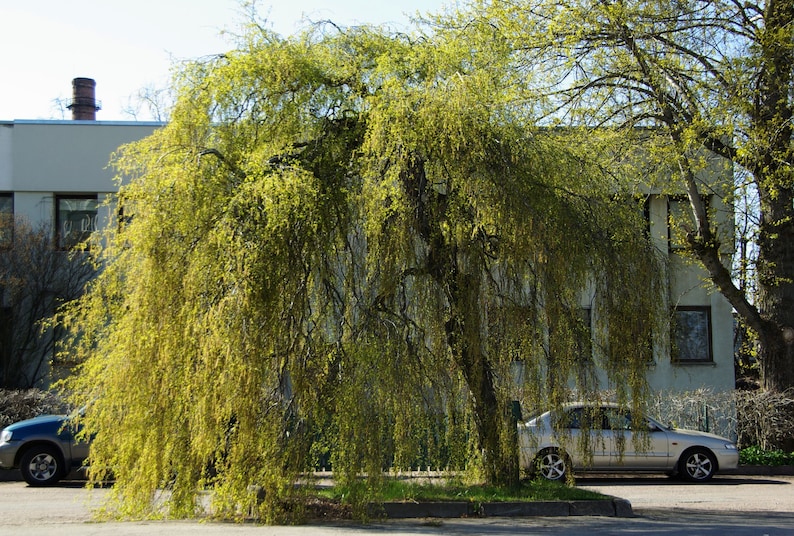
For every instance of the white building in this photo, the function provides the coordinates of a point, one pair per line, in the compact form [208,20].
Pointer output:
[53,174]
[701,353]
[57,172]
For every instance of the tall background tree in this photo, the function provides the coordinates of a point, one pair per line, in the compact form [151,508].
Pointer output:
[36,279]
[708,75]
[350,240]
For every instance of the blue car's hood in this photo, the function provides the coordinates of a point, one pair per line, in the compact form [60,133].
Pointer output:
[40,422]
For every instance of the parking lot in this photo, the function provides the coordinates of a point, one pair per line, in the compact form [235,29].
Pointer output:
[741,505]
[731,493]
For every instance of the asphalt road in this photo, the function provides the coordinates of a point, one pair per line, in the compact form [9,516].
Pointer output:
[739,505]
[734,493]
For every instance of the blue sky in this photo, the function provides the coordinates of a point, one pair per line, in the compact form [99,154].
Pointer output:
[129,45]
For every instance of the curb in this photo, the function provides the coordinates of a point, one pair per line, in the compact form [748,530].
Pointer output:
[603,508]
[760,470]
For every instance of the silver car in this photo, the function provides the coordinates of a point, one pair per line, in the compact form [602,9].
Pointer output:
[608,439]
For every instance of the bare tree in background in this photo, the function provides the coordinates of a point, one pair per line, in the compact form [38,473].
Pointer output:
[36,278]
[150,103]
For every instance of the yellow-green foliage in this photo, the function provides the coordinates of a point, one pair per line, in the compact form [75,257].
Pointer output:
[341,245]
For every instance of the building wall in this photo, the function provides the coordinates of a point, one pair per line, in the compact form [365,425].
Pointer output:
[40,163]
[40,160]
[6,150]
[689,288]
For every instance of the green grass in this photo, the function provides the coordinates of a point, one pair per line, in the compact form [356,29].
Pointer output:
[400,490]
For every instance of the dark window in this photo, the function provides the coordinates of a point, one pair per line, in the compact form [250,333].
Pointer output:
[691,335]
[646,215]
[6,331]
[617,419]
[680,220]
[587,418]
[76,219]
[584,343]
[6,220]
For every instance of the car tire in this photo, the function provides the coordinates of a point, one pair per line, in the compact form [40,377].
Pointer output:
[697,465]
[41,466]
[553,465]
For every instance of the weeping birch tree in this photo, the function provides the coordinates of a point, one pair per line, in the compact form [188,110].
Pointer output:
[344,244]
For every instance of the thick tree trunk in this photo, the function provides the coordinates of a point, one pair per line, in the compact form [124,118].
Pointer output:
[464,332]
[776,291]
[777,366]
[460,277]
[772,127]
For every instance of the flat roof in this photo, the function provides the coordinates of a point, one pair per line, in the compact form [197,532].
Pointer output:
[80,122]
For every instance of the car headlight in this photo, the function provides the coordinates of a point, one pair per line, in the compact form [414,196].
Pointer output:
[730,446]
[5,436]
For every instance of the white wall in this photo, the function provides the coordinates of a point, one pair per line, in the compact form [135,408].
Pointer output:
[688,285]
[41,159]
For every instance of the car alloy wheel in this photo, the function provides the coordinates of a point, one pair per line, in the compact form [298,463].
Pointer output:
[40,466]
[697,465]
[552,465]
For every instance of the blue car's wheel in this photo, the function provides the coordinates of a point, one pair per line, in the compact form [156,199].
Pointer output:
[41,466]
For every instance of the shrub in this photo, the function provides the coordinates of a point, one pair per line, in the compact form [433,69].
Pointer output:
[766,419]
[18,405]
[757,456]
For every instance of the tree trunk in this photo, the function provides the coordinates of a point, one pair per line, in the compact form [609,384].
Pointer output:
[498,445]
[776,291]
[772,314]
[460,276]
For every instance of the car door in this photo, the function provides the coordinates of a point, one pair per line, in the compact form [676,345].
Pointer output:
[78,445]
[635,444]
[586,442]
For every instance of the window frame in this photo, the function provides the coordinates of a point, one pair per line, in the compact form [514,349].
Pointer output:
[673,243]
[6,233]
[677,349]
[61,243]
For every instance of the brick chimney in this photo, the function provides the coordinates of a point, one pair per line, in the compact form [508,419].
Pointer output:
[84,105]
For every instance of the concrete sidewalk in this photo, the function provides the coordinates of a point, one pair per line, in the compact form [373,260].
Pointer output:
[611,507]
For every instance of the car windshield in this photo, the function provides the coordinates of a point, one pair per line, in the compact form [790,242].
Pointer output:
[533,416]
[654,422]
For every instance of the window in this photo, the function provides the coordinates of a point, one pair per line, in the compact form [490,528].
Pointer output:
[6,339]
[692,335]
[76,219]
[617,419]
[6,220]
[645,204]
[584,418]
[680,220]
[584,342]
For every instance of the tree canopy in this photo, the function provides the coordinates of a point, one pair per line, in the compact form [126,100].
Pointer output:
[344,244]
[708,76]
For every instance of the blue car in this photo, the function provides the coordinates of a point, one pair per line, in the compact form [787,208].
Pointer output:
[45,449]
